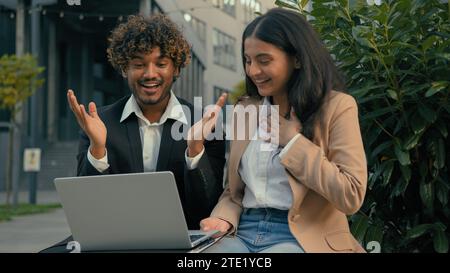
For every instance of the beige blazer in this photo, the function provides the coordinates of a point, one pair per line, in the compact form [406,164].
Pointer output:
[328,177]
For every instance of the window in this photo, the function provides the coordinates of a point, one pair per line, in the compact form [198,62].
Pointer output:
[224,50]
[228,6]
[251,8]
[198,26]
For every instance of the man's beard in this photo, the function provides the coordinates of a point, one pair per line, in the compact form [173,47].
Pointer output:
[149,101]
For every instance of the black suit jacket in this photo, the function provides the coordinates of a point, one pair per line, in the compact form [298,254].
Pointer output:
[199,188]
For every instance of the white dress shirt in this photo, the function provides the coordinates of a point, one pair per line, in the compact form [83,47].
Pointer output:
[150,134]
[265,178]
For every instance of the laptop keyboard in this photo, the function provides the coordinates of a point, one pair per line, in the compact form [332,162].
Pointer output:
[195,237]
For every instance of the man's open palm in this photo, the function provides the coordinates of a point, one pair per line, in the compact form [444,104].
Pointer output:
[90,122]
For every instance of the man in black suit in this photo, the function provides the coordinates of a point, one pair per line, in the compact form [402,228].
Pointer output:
[135,133]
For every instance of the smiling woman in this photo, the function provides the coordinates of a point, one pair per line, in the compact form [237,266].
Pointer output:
[293,197]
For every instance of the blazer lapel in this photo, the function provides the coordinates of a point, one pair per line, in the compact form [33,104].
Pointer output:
[237,150]
[165,147]
[134,141]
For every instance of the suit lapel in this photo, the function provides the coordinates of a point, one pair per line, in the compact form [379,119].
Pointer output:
[134,140]
[165,147]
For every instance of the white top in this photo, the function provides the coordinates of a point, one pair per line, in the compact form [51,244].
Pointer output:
[265,178]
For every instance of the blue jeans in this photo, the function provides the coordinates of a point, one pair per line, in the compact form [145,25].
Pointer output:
[263,230]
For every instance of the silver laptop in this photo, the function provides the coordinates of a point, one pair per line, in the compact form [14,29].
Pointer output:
[127,212]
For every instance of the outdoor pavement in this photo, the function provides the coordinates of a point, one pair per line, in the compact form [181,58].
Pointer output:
[32,233]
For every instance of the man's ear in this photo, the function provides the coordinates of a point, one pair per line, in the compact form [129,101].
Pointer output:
[176,74]
[124,74]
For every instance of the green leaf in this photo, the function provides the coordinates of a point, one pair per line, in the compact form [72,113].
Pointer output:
[303,3]
[360,92]
[406,172]
[436,87]
[381,147]
[439,163]
[429,42]
[402,45]
[392,94]
[291,4]
[442,190]
[418,231]
[376,175]
[439,226]
[379,112]
[445,56]
[372,135]
[402,156]
[356,5]
[387,173]
[374,233]
[417,4]
[418,124]
[426,194]
[359,226]
[427,113]
[411,142]
[388,59]
[440,241]
[359,32]
[400,187]
[442,127]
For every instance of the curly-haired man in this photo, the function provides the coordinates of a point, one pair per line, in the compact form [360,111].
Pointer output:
[134,133]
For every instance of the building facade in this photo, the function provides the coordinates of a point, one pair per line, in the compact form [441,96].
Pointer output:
[219,24]
[69,37]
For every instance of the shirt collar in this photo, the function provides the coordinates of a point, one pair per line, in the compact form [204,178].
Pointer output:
[174,110]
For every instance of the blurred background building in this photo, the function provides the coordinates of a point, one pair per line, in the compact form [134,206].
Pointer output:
[69,38]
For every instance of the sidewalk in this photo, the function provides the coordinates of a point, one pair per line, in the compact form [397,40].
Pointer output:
[33,233]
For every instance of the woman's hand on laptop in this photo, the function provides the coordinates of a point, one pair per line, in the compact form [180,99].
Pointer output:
[91,124]
[214,223]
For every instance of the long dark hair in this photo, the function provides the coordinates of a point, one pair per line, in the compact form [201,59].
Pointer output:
[317,75]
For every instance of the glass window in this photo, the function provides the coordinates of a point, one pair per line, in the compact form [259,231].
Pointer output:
[198,26]
[224,50]
[251,8]
[228,6]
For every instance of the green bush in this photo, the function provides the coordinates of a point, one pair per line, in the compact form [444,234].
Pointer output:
[238,91]
[19,79]
[395,57]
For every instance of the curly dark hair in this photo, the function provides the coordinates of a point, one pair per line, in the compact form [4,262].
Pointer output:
[140,34]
